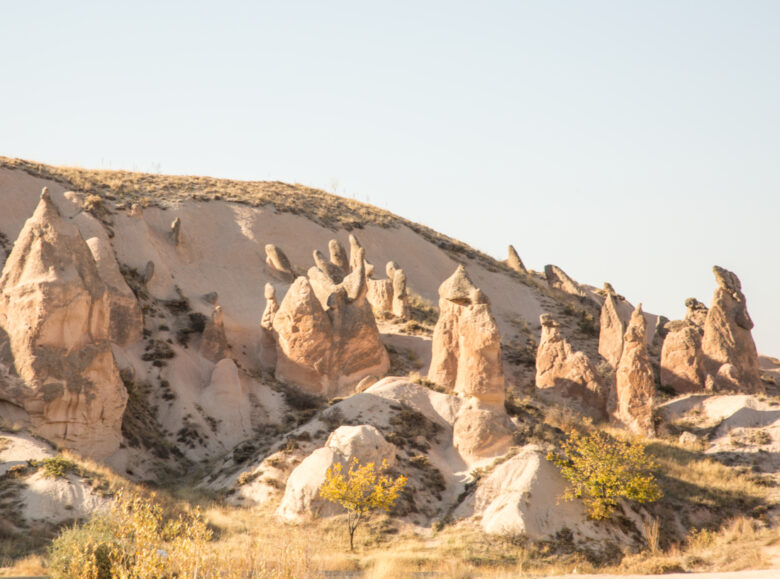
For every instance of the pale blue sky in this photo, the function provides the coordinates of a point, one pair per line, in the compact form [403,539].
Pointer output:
[635,142]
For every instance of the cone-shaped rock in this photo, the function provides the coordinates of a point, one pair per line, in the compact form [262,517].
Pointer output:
[55,320]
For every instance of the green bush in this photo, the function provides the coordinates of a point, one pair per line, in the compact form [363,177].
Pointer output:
[603,469]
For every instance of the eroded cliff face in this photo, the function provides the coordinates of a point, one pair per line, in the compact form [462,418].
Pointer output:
[55,315]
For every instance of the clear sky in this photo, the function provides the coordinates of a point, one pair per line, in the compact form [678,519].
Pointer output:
[625,141]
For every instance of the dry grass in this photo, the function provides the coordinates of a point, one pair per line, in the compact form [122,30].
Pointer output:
[331,211]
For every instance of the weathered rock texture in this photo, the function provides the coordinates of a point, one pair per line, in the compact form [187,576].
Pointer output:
[481,430]
[267,336]
[55,314]
[695,312]
[635,383]
[557,278]
[682,362]
[278,262]
[126,322]
[389,296]
[328,350]
[214,344]
[730,356]
[566,376]
[466,354]
[613,326]
[338,256]
[514,262]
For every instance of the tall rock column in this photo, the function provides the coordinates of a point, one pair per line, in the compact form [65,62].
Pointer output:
[634,379]
[730,356]
[55,318]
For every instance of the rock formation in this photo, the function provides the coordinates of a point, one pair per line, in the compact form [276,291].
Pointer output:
[267,336]
[730,356]
[126,322]
[565,376]
[148,273]
[635,383]
[338,256]
[695,312]
[55,315]
[334,273]
[514,262]
[613,326]
[682,362]
[175,234]
[213,344]
[389,296]
[328,349]
[278,262]
[356,253]
[557,278]
[225,400]
[481,430]
[466,354]
[400,295]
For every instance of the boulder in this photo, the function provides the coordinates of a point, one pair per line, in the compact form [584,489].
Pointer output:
[565,376]
[521,497]
[635,384]
[301,495]
[481,431]
[466,354]
[728,341]
[682,362]
[55,316]
[279,264]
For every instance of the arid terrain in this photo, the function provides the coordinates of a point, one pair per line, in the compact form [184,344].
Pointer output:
[217,346]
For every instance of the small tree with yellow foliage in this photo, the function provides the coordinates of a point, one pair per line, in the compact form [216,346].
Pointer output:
[361,491]
[603,469]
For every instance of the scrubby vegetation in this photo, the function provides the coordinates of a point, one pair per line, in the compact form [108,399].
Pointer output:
[603,470]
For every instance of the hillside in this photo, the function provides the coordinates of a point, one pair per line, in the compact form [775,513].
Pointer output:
[225,342]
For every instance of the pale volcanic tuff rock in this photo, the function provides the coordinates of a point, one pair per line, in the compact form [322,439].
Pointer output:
[514,262]
[390,296]
[126,320]
[55,315]
[481,430]
[695,312]
[613,326]
[730,356]
[301,494]
[328,350]
[338,256]
[214,344]
[682,362]
[559,279]
[278,262]
[635,384]
[400,295]
[566,376]
[466,354]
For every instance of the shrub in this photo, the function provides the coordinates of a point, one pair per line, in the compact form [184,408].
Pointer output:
[133,540]
[603,469]
[56,466]
[361,491]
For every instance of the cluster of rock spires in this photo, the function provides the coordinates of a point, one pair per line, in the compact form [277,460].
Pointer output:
[64,302]
[325,334]
[710,350]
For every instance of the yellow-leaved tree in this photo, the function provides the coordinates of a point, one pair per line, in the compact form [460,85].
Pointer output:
[603,469]
[360,491]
